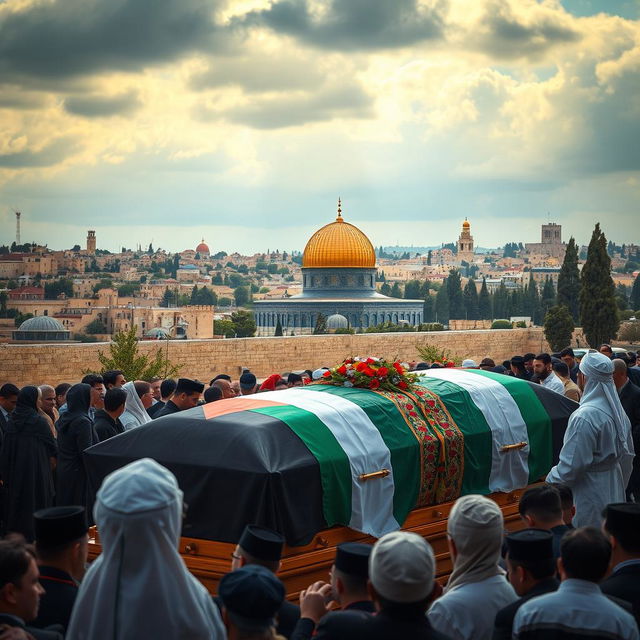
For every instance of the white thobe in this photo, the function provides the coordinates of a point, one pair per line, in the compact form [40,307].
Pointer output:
[554,383]
[595,462]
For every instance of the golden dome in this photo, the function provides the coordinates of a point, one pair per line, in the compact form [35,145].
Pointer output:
[466,224]
[339,244]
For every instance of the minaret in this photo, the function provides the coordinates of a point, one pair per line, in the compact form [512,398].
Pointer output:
[91,242]
[465,243]
[18,214]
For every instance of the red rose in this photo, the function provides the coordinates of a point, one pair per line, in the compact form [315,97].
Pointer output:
[403,385]
[368,371]
[342,370]
[326,374]
[450,365]
[398,368]
[374,384]
[360,366]
[383,371]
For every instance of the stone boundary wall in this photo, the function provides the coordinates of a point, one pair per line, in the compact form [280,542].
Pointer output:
[202,359]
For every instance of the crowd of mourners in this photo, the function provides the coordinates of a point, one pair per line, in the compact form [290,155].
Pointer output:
[572,571]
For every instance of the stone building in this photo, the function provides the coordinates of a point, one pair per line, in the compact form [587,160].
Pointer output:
[41,329]
[550,244]
[338,278]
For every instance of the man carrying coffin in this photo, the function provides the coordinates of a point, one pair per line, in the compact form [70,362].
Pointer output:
[597,453]
[185,396]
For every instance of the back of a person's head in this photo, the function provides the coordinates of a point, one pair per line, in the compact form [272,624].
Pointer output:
[542,502]
[475,517]
[141,387]
[212,394]
[114,398]
[561,369]
[585,554]
[15,557]
[62,388]
[566,494]
[220,376]
[402,571]
[92,379]
[111,377]
[622,521]
[568,351]
[167,387]
[9,390]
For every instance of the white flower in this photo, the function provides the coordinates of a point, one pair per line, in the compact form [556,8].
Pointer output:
[346,383]
[351,373]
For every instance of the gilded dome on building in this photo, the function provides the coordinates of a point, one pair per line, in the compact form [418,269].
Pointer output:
[466,224]
[339,244]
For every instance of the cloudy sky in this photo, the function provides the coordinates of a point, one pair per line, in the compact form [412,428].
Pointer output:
[242,121]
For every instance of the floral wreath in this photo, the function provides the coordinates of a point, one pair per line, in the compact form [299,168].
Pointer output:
[370,373]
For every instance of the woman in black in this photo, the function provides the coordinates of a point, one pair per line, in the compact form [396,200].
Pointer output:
[28,457]
[75,434]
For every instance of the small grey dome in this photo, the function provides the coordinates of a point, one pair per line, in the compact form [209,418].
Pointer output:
[337,321]
[41,323]
[157,332]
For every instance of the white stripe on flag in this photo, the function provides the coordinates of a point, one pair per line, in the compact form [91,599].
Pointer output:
[371,501]
[510,470]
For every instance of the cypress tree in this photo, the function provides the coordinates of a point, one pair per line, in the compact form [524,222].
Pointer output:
[558,327]
[548,296]
[598,308]
[442,304]
[484,302]
[456,300]
[471,300]
[500,302]
[569,281]
[532,301]
[395,291]
[634,298]
[429,309]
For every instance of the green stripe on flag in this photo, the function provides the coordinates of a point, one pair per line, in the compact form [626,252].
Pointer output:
[335,470]
[397,436]
[535,416]
[478,440]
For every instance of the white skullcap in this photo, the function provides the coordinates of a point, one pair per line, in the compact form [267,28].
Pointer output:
[469,364]
[596,365]
[471,514]
[402,567]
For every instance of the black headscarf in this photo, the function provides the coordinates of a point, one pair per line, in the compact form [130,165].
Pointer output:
[78,403]
[25,419]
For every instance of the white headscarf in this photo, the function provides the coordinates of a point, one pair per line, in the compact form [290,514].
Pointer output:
[600,391]
[134,407]
[139,586]
[476,526]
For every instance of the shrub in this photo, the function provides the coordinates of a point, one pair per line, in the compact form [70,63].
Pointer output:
[433,353]
[501,324]
[431,326]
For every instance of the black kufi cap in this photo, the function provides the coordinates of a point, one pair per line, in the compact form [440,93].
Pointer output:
[252,596]
[622,519]
[189,386]
[352,558]
[261,543]
[248,380]
[530,546]
[59,525]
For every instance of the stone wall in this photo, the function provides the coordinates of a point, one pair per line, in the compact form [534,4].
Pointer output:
[55,363]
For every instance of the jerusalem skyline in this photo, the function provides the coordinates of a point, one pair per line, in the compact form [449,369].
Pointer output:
[243,121]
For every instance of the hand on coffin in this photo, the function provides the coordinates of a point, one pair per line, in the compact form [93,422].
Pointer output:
[315,601]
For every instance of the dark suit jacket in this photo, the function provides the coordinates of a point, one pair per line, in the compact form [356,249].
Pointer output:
[38,634]
[154,409]
[106,427]
[359,625]
[625,584]
[57,602]
[505,617]
[168,409]
[630,400]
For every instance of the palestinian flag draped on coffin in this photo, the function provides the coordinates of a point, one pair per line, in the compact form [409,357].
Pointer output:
[293,460]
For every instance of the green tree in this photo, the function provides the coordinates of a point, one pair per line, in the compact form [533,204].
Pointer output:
[456,299]
[558,327]
[598,308]
[569,281]
[241,295]
[622,297]
[54,289]
[3,304]
[104,283]
[500,302]
[413,290]
[548,296]
[442,304]
[396,292]
[224,328]
[168,297]
[429,256]
[95,326]
[19,318]
[385,289]
[128,289]
[244,323]
[634,298]
[470,295]
[225,302]
[429,308]
[278,331]
[124,355]
[321,325]
[484,302]
[532,301]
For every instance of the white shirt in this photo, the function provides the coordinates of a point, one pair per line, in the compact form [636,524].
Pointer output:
[468,612]
[554,383]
